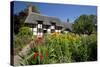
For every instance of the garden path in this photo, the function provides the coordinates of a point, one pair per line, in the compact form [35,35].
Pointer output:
[24,52]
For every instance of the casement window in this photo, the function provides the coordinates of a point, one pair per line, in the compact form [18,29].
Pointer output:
[39,25]
[52,30]
[40,30]
[44,31]
[53,25]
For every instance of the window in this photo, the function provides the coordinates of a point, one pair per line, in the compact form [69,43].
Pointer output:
[40,22]
[52,30]
[39,25]
[40,30]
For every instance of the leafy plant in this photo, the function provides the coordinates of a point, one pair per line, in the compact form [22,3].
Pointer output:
[22,39]
[62,48]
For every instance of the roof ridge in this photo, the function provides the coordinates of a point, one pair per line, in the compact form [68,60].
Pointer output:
[45,15]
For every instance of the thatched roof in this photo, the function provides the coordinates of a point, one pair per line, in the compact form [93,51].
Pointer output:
[32,18]
[67,26]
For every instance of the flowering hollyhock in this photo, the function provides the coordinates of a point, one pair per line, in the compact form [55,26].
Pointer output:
[41,57]
[35,55]
[39,40]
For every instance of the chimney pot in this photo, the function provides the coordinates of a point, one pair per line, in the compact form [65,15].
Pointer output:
[29,8]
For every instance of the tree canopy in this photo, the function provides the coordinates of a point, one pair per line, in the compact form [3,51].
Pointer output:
[18,19]
[84,24]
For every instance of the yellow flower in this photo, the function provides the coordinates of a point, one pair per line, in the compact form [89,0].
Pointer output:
[55,33]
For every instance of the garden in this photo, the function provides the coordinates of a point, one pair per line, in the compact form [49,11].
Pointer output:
[55,47]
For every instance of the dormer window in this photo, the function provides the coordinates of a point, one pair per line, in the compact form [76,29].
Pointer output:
[53,23]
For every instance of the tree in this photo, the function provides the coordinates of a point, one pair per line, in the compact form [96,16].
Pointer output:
[84,24]
[18,19]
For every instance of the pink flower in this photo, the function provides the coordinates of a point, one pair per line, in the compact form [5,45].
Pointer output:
[39,40]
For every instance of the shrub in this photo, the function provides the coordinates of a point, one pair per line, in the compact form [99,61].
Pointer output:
[92,47]
[25,31]
[23,37]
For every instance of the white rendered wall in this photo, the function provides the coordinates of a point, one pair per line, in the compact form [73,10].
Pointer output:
[34,29]
[40,33]
[49,30]
[59,31]
[34,33]
[56,30]
[52,27]
[66,31]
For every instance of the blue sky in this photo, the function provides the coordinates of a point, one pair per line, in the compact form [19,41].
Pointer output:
[61,11]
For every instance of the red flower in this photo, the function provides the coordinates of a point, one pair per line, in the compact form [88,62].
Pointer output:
[35,55]
[46,53]
[41,57]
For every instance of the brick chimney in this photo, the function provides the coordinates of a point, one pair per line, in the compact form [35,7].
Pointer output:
[29,8]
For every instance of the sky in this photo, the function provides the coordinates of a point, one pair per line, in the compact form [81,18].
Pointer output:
[61,11]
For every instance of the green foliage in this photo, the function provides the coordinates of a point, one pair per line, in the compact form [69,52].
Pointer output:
[84,24]
[63,48]
[92,47]
[37,55]
[85,49]
[22,39]
[25,31]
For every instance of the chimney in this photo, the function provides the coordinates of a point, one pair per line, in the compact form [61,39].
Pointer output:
[29,8]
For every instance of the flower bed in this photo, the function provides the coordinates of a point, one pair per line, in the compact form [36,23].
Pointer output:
[62,48]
